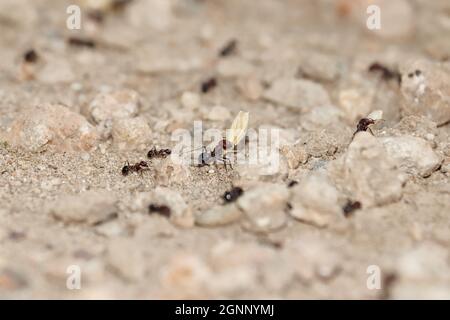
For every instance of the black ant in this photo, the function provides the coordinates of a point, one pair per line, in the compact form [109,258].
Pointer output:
[161,209]
[162,153]
[365,123]
[351,206]
[386,73]
[138,167]
[233,194]
[208,85]
[292,183]
[30,56]
[217,154]
[229,48]
[81,42]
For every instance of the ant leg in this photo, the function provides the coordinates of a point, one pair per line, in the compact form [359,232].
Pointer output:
[227,160]
[371,131]
[229,163]
[222,159]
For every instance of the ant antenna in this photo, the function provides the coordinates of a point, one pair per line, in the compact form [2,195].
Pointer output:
[192,150]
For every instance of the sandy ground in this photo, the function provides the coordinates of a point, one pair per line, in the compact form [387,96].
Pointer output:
[163,49]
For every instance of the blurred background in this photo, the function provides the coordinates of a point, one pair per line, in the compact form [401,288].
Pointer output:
[279,60]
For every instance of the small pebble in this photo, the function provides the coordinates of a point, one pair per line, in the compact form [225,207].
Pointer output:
[218,113]
[123,258]
[315,200]
[298,94]
[190,100]
[131,133]
[53,126]
[425,89]
[89,207]
[368,173]
[413,154]
[120,104]
[219,216]
[264,207]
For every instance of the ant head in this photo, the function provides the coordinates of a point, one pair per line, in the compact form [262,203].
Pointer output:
[143,164]
[226,145]
[366,122]
[125,170]
[223,144]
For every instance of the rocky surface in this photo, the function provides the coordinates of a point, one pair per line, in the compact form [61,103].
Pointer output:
[341,199]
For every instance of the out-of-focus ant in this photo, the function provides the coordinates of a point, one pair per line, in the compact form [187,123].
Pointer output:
[208,85]
[232,195]
[98,14]
[292,183]
[160,209]
[162,153]
[81,42]
[30,56]
[229,48]
[385,72]
[350,207]
[137,167]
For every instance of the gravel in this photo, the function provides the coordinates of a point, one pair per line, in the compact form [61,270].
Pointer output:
[72,118]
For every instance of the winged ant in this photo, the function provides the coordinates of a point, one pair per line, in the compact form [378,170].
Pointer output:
[226,145]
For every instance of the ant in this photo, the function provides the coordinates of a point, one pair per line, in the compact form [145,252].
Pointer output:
[217,154]
[161,209]
[386,73]
[365,123]
[81,42]
[351,206]
[208,85]
[30,56]
[162,153]
[229,144]
[138,167]
[118,5]
[229,48]
[292,183]
[233,194]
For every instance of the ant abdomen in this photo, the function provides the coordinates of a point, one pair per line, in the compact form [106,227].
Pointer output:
[221,148]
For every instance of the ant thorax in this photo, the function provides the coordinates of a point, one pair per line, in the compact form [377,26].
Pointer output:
[222,146]
[141,164]
[217,154]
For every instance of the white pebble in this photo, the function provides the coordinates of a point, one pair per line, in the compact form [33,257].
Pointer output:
[190,100]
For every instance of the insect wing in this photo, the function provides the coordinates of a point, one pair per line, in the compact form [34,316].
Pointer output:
[238,128]
[376,115]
